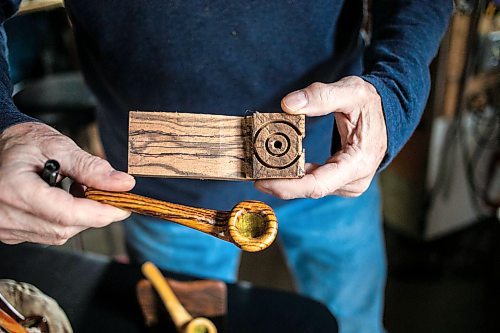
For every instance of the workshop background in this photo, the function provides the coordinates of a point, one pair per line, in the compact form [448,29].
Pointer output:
[441,195]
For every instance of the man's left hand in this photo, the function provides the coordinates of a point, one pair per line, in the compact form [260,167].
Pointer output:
[360,120]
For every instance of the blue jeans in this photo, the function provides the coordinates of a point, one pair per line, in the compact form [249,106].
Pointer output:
[334,247]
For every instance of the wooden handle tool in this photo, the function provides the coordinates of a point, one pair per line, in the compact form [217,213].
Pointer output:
[201,298]
[183,321]
[250,225]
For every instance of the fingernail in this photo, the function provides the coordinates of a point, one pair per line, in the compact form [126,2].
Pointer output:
[296,100]
[121,176]
[122,215]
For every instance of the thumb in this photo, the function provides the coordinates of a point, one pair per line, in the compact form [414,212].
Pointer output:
[319,99]
[93,171]
[314,100]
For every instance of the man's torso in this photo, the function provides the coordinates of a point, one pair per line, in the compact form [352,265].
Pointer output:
[221,57]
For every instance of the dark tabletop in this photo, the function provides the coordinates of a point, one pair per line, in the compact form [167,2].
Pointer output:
[98,294]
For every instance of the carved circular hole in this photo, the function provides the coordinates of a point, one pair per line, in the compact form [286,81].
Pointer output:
[251,225]
[277,145]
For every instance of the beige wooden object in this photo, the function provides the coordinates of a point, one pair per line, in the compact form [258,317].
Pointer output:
[183,321]
[201,298]
[184,145]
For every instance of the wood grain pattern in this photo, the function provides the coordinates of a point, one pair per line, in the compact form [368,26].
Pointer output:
[277,146]
[184,145]
[263,238]
[183,321]
[147,302]
[221,224]
[203,298]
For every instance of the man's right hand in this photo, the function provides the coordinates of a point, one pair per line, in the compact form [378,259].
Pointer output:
[31,210]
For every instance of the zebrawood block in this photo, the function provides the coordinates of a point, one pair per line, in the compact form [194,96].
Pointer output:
[185,145]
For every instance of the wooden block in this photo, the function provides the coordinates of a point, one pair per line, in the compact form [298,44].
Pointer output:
[202,298]
[277,145]
[184,145]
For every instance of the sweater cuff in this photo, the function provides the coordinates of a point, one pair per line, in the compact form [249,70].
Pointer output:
[393,117]
[10,115]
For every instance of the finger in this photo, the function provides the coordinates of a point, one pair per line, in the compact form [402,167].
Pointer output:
[20,236]
[57,206]
[265,185]
[47,143]
[319,98]
[90,170]
[355,188]
[287,189]
[10,241]
[352,191]
[309,167]
[26,227]
[7,238]
[58,238]
[324,180]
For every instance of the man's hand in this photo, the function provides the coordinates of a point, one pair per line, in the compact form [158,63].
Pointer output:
[360,120]
[31,210]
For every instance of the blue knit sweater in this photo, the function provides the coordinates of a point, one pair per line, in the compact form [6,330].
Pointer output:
[228,57]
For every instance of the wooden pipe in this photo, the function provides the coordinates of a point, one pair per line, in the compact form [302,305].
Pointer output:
[183,321]
[250,225]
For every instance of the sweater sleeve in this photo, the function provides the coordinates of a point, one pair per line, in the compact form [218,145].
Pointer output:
[9,114]
[406,37]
